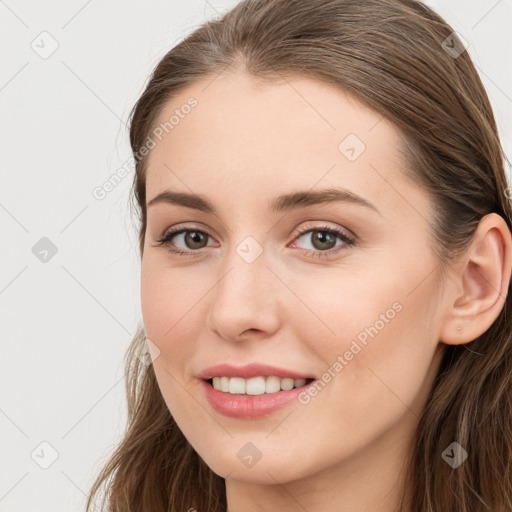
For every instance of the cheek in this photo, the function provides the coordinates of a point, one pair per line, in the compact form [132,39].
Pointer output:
[174,305]
[170,311]
[165,298]
[376,335]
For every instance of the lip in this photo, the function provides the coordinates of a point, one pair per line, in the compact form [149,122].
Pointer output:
[249,371]
[249,406]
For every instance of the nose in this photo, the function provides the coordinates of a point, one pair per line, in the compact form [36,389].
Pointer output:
[245,300]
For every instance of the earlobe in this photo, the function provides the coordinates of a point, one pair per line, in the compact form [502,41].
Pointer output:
[482,283]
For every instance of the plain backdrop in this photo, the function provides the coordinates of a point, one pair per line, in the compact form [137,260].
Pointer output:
[69,282]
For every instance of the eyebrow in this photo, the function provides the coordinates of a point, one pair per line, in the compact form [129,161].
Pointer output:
[283,203]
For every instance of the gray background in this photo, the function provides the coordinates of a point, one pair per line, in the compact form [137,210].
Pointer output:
[67,321]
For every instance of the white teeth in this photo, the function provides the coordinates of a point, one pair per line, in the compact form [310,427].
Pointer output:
[272,385]
[286,384]
[255,385]
[236,386]
[224,384]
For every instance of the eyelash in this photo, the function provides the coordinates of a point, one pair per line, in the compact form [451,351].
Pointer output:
[165,240]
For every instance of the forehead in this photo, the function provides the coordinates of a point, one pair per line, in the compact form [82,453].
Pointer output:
[247,136]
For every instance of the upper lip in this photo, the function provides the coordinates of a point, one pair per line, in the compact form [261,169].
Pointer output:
[250,370]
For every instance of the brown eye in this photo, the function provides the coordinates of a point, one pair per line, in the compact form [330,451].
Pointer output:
[195,239]
[184,241]
[323,240]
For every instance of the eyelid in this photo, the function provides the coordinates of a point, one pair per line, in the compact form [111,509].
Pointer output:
[347,237]
[184,226]
[178,229]
[309,226]
[297,231]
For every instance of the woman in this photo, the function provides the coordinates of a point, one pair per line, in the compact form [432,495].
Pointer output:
[326,262]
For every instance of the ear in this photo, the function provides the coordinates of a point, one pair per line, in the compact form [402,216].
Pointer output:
[482,277]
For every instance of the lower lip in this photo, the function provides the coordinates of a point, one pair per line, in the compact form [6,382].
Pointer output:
[250,406]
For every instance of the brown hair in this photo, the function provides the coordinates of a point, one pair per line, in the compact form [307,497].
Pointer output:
[392,55]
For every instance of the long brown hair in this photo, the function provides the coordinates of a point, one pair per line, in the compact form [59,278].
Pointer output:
[397,57]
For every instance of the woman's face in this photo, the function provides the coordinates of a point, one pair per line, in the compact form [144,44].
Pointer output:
[269,281]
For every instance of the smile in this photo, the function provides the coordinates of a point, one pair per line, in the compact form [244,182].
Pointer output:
[246,406]
[256,385]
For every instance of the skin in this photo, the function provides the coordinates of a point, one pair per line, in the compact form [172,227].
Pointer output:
[244,144]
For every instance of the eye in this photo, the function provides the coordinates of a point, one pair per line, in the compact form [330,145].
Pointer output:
[193,240]
[323,240]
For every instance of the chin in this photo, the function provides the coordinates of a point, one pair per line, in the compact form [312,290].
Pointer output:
[266,471]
